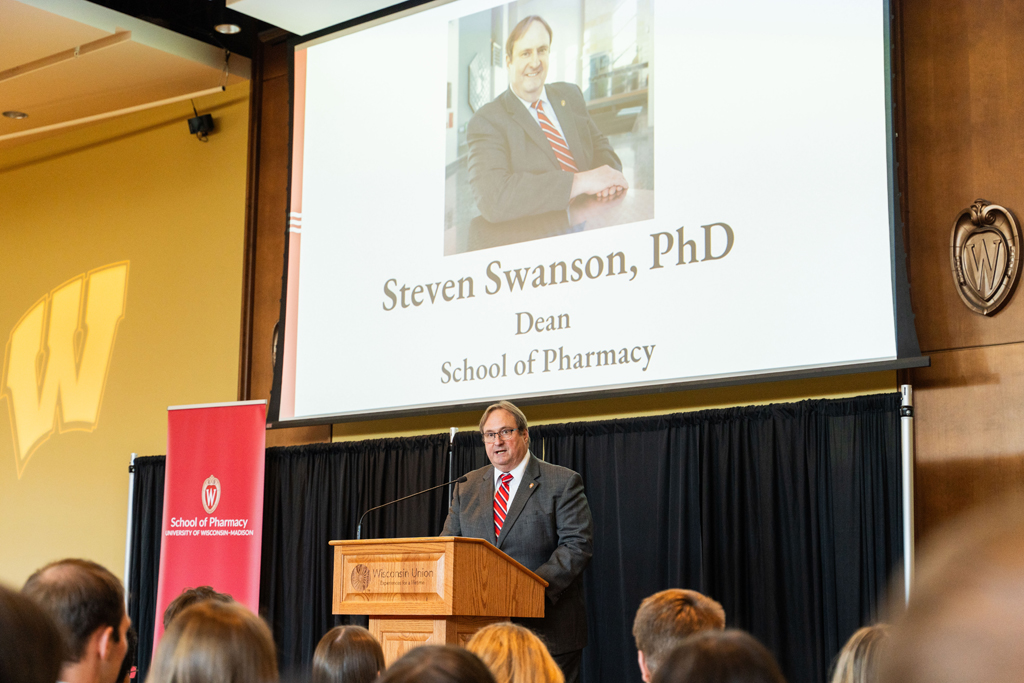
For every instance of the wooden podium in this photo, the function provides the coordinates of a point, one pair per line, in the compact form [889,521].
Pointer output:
[435,591]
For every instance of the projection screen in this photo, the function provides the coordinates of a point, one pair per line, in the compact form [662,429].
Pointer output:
[729,214]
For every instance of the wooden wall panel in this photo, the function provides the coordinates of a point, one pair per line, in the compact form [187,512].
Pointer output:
[962,80]
[968,403]
[962,83]
[968,432]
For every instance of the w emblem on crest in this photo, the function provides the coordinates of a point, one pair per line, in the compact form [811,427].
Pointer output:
[211,494]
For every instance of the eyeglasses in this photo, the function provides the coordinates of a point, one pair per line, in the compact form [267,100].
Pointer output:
[505,434]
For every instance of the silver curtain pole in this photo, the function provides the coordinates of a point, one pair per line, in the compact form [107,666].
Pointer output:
[907,448]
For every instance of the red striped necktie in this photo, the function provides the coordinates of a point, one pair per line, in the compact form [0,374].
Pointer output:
[501,503]
[555,138]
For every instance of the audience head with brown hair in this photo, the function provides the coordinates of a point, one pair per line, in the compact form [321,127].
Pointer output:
[514,654]
[215,642]
[31,645]
[437,664]
[666,618]
[189,597]
[86,602]
[731,656]
[347,654]
[858,661]
[965,618]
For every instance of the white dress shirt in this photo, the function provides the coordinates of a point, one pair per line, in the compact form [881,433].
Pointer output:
[517,476]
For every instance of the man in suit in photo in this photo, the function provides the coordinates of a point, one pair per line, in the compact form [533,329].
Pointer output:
[534,148]
[540,517]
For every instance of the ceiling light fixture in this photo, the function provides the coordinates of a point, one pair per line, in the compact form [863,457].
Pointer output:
[16,115]
[228,29]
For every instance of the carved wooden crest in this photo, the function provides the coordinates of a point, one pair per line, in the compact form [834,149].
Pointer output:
[984,252]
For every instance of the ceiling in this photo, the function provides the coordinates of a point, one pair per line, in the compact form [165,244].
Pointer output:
[67,63]
[308,16]
[121,63]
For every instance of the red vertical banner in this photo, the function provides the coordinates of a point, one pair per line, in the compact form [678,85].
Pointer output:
[213,502]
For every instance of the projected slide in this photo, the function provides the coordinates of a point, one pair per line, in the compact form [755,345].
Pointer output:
[558,197]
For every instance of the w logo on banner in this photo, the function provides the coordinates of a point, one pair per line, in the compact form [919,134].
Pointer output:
[58,356]
[211,494]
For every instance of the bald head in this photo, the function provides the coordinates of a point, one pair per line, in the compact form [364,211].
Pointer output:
[81,597]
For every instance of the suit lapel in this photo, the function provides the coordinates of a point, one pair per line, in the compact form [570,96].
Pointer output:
[527,487]
[526,121]
[487,487]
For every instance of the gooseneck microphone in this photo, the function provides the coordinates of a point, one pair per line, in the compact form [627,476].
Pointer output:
[359,528]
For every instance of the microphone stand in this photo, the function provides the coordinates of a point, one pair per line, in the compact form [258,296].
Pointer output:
[359,527]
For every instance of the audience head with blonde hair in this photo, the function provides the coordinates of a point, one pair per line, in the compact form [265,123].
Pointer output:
[347,654]
[858,661]
[514,654]
[965,618]
[215,642]
[731,656]
[437,664]
[666,618]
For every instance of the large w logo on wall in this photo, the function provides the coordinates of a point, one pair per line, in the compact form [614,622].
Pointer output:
[58,355]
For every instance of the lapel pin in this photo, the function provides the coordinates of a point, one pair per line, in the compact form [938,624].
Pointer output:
[531,486]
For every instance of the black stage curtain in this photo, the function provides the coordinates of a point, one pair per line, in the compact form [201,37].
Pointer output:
[787,514]
[642,481]
[144,568]
[315,494]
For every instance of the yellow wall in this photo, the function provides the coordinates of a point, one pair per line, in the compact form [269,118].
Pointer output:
[650,404]
[138,189]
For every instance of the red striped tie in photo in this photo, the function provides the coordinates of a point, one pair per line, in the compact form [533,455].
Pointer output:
[501,503]
[555,138]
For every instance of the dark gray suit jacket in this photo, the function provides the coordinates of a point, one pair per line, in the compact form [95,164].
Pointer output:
[513,171]
[548,529]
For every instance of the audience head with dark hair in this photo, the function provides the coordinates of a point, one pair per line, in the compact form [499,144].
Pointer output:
[514,654]
[730,656]
[858,661]
[666,618]
[965,618]
[215,642]
[87,603]
[189,597]
[437,664]
[347,654]
[31,645]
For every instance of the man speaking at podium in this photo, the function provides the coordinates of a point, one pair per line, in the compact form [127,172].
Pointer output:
[536,513]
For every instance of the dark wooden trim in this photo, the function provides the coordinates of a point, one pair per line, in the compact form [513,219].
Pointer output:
[251,218]
[899,96]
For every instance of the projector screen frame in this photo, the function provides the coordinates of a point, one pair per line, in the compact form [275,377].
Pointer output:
[907,347]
